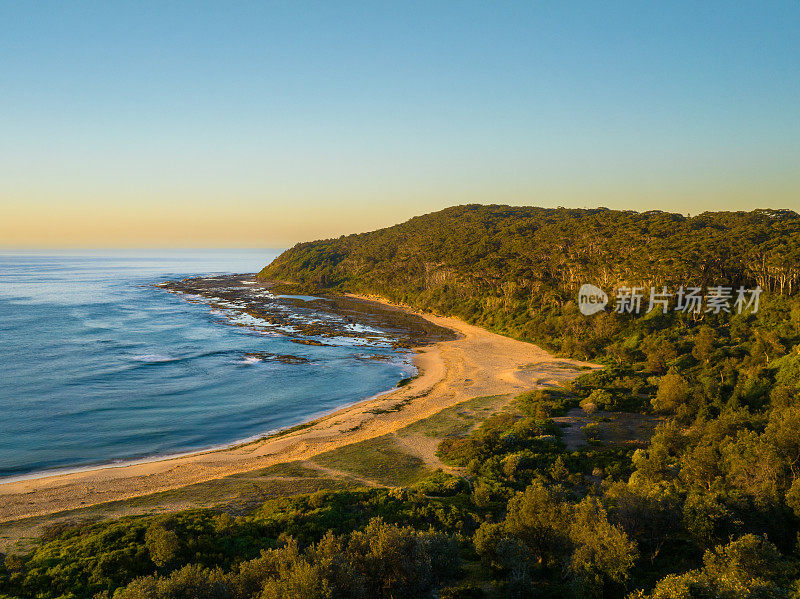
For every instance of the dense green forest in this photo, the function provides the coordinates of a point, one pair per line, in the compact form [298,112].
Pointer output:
[511,268]
[707,507]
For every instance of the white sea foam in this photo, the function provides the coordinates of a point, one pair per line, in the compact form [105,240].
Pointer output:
[152,358]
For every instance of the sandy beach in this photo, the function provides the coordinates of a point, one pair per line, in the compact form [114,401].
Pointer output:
[477,363]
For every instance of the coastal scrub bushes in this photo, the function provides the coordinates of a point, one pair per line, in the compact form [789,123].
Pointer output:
[499,435]
[380,561]
[545,403]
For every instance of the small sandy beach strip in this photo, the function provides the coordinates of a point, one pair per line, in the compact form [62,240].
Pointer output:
[477,363]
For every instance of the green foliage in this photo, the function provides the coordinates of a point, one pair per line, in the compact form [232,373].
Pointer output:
[747,567]
[545,403]
[673,393]
[600,398]
[382,561]
[162,544]
[543,535]
[202,550]
[603,552]
[84,560]
[441,484]
[506,442]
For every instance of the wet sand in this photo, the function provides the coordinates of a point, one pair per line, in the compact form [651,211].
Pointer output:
[476,363]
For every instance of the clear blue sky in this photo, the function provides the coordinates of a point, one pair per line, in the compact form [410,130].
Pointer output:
[236,123]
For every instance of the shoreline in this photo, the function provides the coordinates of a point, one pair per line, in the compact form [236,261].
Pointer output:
[183,288]
[476,363]
[266,436]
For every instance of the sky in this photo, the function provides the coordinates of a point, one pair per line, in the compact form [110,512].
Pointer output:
[239,124]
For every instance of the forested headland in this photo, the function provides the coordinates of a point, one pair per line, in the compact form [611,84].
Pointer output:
[512,268]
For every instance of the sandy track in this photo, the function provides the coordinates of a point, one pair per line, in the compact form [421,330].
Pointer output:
[479,363]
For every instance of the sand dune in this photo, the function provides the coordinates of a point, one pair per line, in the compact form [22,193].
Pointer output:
[476,364]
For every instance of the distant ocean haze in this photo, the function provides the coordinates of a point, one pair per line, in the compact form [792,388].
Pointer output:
[99,365]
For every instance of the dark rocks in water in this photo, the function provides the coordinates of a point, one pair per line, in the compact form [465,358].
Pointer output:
[337,316]
[374,357]
[290,359]
[283,358]
[311,342]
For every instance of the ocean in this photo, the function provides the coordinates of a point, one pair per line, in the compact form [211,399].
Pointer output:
[99,366]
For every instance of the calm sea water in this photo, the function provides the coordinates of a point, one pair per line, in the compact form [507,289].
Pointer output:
[97,365]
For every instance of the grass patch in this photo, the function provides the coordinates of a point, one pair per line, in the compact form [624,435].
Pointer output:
[458,419]
[250,488]
[379,459]
[294,469]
